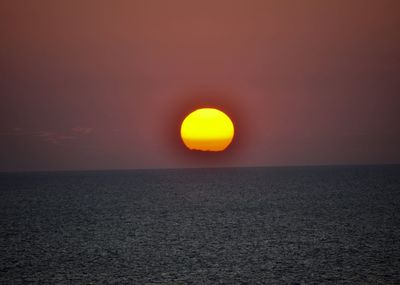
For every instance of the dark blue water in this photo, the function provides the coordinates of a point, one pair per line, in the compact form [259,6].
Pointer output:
[246,225]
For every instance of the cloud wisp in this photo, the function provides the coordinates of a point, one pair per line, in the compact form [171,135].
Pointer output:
[52,137]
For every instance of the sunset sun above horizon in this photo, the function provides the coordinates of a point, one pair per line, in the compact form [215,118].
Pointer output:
[207,129]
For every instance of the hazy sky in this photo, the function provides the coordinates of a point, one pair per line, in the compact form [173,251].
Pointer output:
[104,84]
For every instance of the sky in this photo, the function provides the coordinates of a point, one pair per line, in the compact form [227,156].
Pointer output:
[106,84]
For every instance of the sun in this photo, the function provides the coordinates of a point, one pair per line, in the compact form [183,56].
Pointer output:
[207,129]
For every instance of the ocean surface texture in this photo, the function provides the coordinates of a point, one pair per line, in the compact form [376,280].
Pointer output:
[296,225]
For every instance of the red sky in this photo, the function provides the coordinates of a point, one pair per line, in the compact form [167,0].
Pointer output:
[103,84]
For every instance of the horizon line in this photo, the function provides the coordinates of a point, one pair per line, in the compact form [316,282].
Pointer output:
[202,167]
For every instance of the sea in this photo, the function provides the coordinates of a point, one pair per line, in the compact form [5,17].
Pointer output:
[272,225]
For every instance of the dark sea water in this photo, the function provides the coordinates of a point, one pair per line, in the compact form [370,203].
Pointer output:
[305,225]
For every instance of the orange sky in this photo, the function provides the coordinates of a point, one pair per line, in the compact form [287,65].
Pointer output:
[104,84]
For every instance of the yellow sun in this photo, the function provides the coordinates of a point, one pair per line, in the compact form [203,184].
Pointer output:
[207,129]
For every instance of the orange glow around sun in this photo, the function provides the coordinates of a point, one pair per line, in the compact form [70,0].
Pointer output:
[207,129]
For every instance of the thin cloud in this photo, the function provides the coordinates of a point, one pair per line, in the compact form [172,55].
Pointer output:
[82,130]
[51,137]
